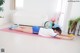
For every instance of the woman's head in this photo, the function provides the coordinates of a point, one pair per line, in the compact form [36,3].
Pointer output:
[57,30]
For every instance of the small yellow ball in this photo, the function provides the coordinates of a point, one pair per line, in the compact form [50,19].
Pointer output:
[71,35]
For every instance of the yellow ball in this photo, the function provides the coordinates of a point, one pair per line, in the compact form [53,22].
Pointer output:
[71,35]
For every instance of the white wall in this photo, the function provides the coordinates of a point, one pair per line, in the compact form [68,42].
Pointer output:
[62,18]
[35,12]
[66,18]
[7,11]
[73,11]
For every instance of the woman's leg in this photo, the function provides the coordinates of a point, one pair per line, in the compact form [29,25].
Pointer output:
[24,29]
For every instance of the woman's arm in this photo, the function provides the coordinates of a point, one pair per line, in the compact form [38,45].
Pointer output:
[66,37]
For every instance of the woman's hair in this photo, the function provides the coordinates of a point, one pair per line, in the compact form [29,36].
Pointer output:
[57,29]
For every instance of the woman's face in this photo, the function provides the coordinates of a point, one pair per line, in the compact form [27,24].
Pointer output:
[56,32]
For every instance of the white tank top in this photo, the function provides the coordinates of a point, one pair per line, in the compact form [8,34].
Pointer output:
[46,32]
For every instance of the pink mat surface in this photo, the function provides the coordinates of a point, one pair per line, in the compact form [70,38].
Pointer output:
[20,32]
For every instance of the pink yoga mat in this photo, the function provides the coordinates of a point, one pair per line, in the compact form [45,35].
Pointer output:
[20,32]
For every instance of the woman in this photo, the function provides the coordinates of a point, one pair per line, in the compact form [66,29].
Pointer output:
[47,32]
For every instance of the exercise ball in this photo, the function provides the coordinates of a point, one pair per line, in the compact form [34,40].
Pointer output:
[70,35]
